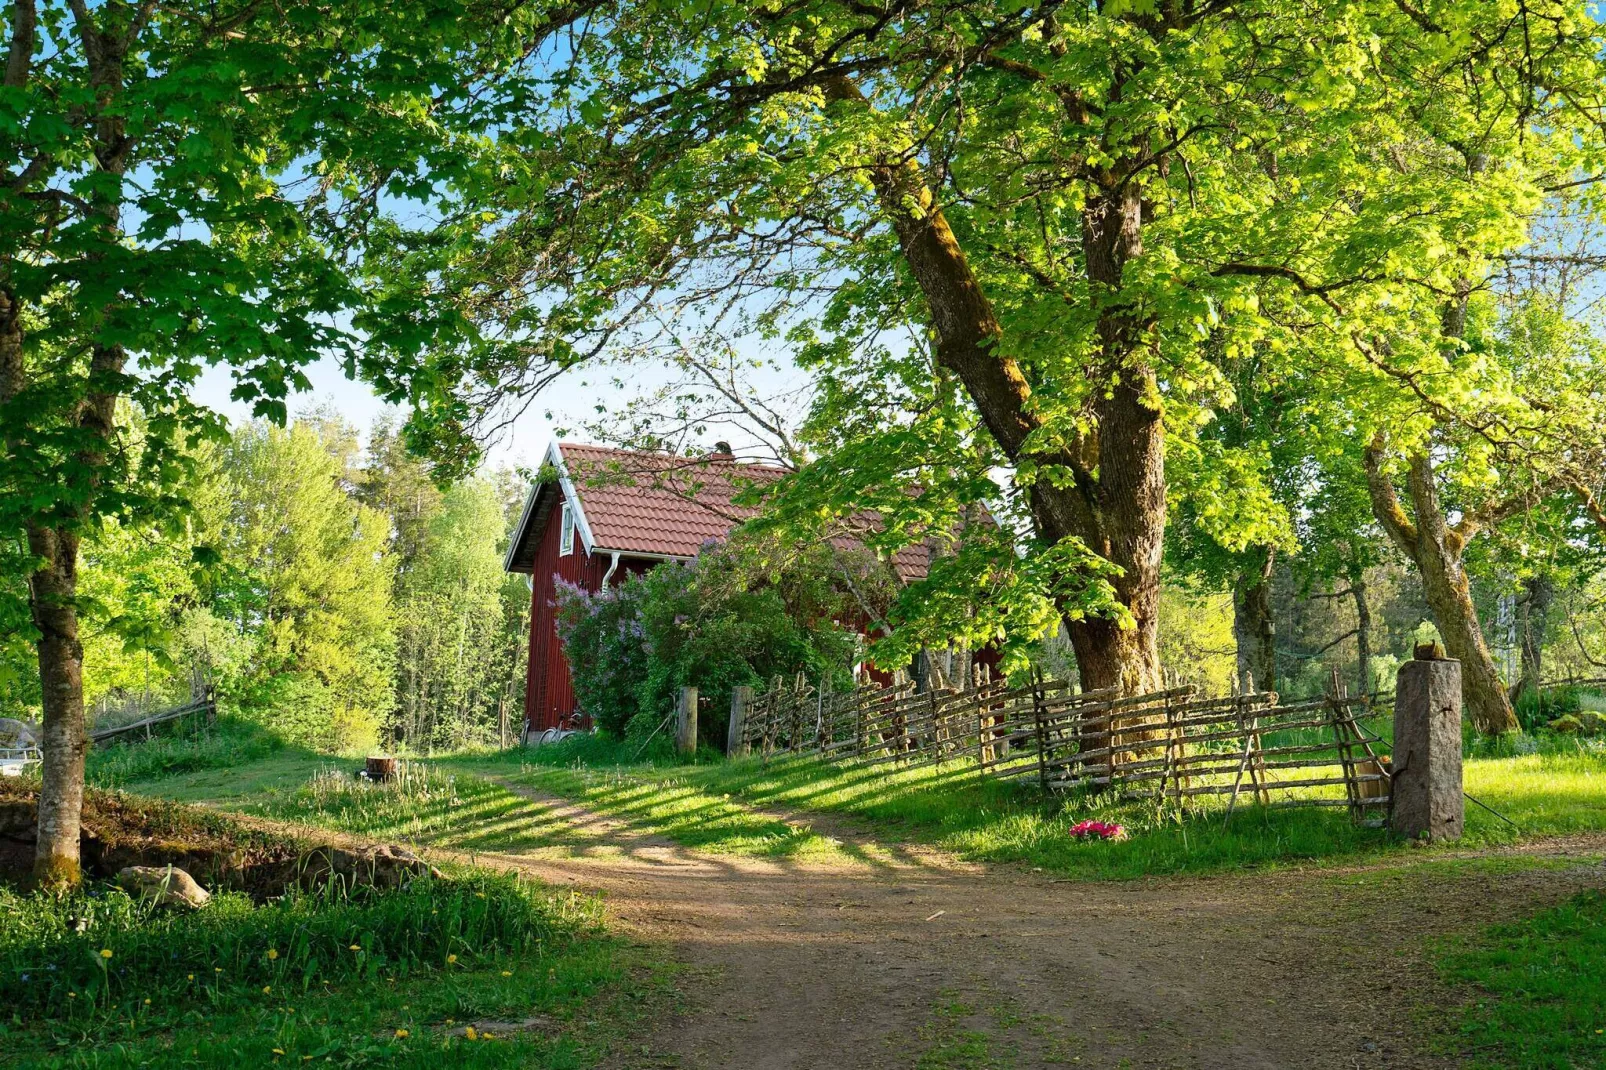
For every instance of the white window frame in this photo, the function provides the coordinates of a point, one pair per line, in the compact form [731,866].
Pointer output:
[566,531]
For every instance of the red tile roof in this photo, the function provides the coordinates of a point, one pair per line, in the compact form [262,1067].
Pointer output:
[656,504]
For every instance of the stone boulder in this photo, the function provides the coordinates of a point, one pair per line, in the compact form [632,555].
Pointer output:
[15,734]
[383,866]
[169,886]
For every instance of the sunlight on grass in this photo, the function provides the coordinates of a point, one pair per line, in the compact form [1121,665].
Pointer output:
[425,804]
[711,805]
[675,807]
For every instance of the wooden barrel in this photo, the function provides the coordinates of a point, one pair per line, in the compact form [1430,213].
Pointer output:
[381,768]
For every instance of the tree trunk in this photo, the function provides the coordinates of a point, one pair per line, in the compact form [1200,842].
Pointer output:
[53,587]
[1252,626]
[1113,498]
[1363,631]
[1539,592]
[1436,547]
[52,590]
[52,593]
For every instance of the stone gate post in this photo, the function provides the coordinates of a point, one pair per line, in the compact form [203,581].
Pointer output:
[1425,789]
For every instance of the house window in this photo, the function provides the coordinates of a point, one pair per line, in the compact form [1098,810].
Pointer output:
[566,535]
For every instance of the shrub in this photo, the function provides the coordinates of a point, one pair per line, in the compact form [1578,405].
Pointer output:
[603,641]
[100,949]
[232,741]
[731,617]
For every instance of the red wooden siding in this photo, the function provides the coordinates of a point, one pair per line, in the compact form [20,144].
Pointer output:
[549,690]
[549,693]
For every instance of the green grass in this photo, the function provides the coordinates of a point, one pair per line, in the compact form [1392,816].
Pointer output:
[715,805]
[426,804]
[1553,787]
[228,744]
[366,979]
[1539,990]
[672,804]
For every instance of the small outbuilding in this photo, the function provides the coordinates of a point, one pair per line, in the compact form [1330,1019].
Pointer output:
[598,515]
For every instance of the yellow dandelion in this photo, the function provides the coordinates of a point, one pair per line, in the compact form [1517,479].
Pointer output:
[480,894]
[105,952]
[273,953]
[469,1034]
[191,976]
[266,989]
[278,1051]
[147,1003]
[401,1034]
[217,969]
[507,973]
[355,947]
[72,995]
[451,958]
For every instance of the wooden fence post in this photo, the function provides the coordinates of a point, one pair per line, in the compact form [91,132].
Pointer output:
[686,721]
[741,698]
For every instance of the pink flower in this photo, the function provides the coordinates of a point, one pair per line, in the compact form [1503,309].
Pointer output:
[1102,830]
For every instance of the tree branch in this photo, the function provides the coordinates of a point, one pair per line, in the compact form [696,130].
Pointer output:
[1385,502]
[19,57]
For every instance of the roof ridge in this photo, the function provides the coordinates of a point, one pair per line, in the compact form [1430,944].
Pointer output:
[665,455]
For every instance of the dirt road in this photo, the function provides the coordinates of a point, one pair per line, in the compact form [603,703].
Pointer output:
[910,959]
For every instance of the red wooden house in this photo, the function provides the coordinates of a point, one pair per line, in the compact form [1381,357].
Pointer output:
[604,514]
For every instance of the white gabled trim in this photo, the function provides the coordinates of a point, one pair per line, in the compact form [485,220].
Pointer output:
[554,457]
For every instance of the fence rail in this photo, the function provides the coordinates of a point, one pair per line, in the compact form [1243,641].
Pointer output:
[202,706]
[1170,746]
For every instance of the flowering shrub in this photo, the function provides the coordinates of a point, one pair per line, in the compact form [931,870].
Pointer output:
[1098,830]
[605,643]
[724,620]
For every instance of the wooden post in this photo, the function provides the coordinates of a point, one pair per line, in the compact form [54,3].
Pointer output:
[1040,731]
[381,768]
[741,698]
[686,721]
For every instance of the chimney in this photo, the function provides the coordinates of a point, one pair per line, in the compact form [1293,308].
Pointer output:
[721,452]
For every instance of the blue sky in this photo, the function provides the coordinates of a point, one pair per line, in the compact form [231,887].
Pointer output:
[523,444]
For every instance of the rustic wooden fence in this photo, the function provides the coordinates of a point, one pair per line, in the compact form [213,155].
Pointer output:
[1170,746]
[201,705]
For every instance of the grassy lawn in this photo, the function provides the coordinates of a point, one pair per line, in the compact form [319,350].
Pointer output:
[1540,985]
[463,802]
[375,979]
[1539,989]
[355,978]
[717,805]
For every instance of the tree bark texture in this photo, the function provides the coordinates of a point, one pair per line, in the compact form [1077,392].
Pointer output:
[53,540]
[1539,591]
[1253,626]
[1363,631]
[1436,547]
[1119,512]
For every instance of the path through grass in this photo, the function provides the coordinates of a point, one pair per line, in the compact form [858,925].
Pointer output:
[719,806]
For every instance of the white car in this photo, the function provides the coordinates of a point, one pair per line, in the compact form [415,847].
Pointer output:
[15,760]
